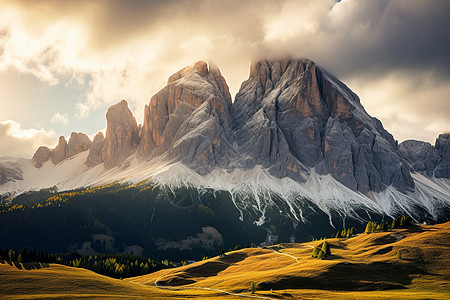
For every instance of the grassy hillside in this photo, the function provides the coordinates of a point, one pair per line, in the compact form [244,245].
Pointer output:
[367,266]
[363,267]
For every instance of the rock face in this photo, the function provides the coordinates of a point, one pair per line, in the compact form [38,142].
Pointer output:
[422,156]
[189,119]
[290,115]
[122,135]
[443,148]
[95,156]
[41,155]
[426,159]
[10,171]
[78,142]
[59,153]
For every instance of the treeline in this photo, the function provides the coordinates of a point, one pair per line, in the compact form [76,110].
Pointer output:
[345,233]
[112,265]
[398,222]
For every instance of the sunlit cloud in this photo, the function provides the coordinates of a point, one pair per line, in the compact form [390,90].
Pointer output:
[60,118]
[17,141]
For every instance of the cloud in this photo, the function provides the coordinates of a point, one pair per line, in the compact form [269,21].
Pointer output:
[120,49]
[60,118]
[20,142]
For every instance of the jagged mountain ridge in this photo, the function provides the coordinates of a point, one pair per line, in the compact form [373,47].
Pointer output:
[290,119]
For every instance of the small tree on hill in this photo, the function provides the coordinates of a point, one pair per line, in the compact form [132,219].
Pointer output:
[369,227]
[253,287]
[394,224]
[315,252]
[383,226]
[11,255]
[321,254]
[326,248]
[349,233]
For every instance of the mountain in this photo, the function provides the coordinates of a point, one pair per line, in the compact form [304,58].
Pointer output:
[296,148]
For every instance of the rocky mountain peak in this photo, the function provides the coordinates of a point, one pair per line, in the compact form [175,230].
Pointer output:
[442,146]
[426,159]
[78,142]
[189,118]
[41,155]
[311,119]
[122,134]
[96,156]
[59,153]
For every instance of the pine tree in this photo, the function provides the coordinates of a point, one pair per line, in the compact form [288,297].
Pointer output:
[369,227]
[321,254]
[326,248]
[11,255]
[394,224]
[349,233]
[253,287]
[19,258]
[315,252]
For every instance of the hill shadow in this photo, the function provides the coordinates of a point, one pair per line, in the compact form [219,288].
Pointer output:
[351,277]
[207,269]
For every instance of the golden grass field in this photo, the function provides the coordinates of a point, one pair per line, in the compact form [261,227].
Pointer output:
[363,267]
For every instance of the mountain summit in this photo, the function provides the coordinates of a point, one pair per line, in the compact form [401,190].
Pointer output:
[293,129]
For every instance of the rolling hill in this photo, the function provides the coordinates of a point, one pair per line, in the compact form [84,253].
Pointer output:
[367,266]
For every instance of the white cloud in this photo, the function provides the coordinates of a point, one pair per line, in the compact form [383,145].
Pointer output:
[20,142]
[60,118]
[410,106]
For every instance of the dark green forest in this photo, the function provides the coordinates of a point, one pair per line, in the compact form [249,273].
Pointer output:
[116,266]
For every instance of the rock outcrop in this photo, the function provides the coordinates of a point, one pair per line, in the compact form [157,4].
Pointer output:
[95,156]
[122,135]
[422,156]
[443,149]
[290,115]
[41,155]
[426,159]
[78,142]
[189,119]
[59,153]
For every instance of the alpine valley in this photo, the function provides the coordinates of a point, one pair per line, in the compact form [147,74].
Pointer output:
[293,157]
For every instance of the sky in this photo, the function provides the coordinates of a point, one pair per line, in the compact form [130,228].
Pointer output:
[63,63]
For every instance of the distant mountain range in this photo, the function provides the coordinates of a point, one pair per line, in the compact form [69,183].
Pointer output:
[294,135]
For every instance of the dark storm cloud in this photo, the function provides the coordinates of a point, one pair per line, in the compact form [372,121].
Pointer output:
[385,35]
